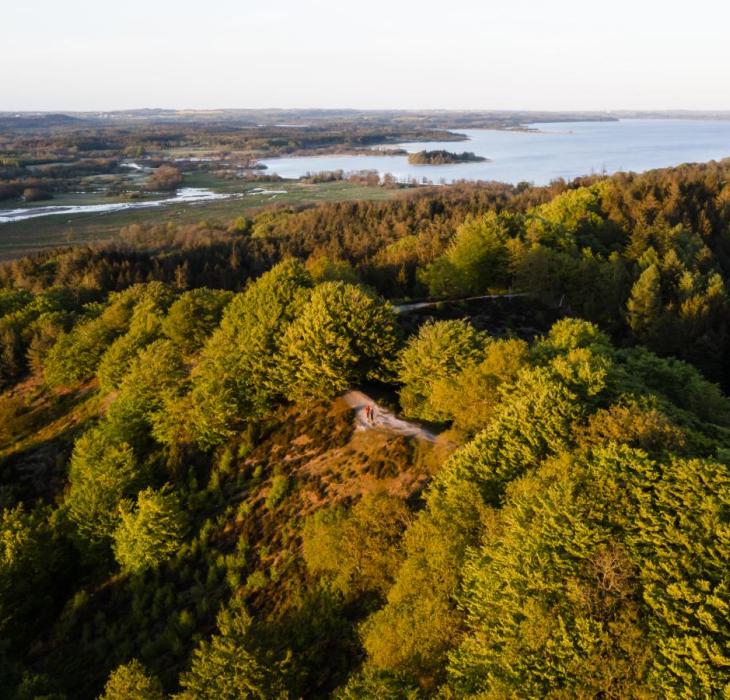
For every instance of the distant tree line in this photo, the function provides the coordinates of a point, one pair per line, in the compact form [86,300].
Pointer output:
[443,158]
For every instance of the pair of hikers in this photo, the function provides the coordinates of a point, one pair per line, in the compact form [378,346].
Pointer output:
[369,413]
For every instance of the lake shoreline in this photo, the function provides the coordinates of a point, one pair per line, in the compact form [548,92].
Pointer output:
[564,150]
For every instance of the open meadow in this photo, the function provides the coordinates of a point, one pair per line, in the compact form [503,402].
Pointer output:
[31,235]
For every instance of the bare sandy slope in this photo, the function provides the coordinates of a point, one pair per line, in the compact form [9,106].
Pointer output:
[383,419]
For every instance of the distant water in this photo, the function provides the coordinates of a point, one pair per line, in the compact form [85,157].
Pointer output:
[567,150]
[185,194]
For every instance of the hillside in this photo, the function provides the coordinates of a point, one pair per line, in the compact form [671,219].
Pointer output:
[194,506]
[249,514]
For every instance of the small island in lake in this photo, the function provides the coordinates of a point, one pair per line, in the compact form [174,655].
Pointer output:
[443,158]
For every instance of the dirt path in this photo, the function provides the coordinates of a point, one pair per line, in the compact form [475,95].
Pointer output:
[383,419]
[406,308]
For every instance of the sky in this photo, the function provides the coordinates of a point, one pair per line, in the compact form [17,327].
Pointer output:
[370,54]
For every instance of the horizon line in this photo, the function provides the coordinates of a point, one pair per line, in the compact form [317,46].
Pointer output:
[623,110]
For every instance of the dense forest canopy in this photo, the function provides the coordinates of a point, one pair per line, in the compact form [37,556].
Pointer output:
[187,511]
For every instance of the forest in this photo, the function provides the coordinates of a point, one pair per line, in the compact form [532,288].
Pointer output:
[190,509]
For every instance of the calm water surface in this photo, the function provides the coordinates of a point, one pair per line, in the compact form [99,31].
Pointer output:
[564,150]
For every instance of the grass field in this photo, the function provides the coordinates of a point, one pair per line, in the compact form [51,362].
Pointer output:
[24,237]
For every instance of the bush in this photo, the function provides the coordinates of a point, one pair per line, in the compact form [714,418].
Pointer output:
[279,489]
[35,194]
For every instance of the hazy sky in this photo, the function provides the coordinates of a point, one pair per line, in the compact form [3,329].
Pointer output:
[478,54]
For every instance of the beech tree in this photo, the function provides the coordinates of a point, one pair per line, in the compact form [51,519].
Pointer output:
[469,397]
[227,667]
[359,550]
[239,371]
[76,355]
[573,219]
[343,336]
[601,598]
[194,316]
[438,353]
[475,260]
[102,472]
[149,531]
[379,685]
[156,377]
[29,555]
[145,326]
[131,681]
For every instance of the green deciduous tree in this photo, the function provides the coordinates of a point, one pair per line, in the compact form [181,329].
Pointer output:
[439,352]
[102,472]
[227,667]
[475,260]
[324,268]
[149,531]
[44,333]
[29,557]
[360,550]
[156,378]
[76,355]
[145,326]
[194,316]
[599,582]
[238,375]
[574,218]
[470,397]
[420,622]
[377,685]
[131,681]
[344,336]
[545,615]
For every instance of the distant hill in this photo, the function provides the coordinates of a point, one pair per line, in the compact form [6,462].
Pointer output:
[26,120]
[423,119]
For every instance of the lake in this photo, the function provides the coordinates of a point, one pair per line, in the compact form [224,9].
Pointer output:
[567,150]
